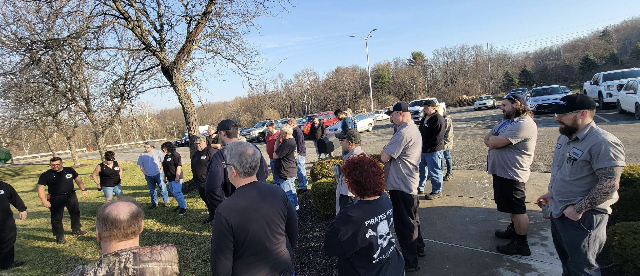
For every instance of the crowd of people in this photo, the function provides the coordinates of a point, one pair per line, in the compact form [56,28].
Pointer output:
[255,224]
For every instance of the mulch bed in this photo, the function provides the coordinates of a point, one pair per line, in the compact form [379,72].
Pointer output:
[309,255]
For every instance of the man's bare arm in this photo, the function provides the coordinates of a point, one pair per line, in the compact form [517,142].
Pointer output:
[608,183]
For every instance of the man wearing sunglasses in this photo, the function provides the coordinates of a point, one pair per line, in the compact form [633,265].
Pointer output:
[512,143]
[585,177]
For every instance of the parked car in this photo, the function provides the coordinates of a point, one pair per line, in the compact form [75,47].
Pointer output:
[603,86]
[327,117]
[258,132]
[182,142]
[381,115]
[629,99]
[415,107]
[544,98]
[521,91]
[485,101]
[364,123]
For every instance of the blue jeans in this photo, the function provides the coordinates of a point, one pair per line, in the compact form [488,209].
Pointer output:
[288,185]
[431,163]
[152,182]
[302,172]
[176,190]
[109,192]
[448,160]
[272,163]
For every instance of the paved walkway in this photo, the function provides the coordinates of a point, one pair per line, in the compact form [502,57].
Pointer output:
[458,230]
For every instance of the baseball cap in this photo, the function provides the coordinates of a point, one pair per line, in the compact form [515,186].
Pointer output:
[517,97]
[430,103]
[398,106]
[226,124]
[150,144]
[351,135]
[574,102]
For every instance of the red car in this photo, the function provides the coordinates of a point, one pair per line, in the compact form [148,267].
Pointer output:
[327,117]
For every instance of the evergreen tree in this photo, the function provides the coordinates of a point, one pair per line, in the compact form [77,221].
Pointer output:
[588,64]
[509,81]
[526,76]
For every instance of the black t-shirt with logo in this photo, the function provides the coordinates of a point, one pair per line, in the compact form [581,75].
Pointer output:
[170,164]
[58,182]
[8,197]
[285,165]
[109,177]
[199,164]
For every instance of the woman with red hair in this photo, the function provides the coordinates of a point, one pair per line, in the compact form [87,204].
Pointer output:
[360,235]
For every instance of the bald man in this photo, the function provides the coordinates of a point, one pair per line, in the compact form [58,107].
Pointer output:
[118,228]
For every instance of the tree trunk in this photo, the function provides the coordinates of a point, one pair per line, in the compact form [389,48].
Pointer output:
[188,108]
[72,149]
[49,144]
[98,133]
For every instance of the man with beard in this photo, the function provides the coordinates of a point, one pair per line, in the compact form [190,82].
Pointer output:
[217,185]
[512,143]
[585,177]
[199,163]
[432,127]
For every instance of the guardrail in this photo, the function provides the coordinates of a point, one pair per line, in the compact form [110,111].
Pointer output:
[47,154]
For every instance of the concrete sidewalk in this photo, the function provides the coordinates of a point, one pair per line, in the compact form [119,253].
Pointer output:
[458,229]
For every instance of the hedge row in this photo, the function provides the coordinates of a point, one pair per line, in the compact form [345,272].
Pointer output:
[624,237]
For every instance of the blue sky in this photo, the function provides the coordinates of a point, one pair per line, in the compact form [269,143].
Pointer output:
[315,34]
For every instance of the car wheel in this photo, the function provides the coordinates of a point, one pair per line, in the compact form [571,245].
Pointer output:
[637,113]
[619,107]
[370,128]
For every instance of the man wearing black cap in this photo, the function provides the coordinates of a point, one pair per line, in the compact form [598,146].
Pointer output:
[401,158]
[350,143]
[432,129]
[512,143]
[217,185]
[585,177]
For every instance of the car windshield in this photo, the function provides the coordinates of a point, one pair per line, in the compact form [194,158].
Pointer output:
[546,91]
[565,89]
[305,119]
[260,124]
[484,98]
[621,75]
[416,103]
[518,90]
[361,117]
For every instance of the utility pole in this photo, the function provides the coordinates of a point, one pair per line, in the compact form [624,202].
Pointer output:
[489,60]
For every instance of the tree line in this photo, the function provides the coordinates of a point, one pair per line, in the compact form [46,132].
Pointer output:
[74,70]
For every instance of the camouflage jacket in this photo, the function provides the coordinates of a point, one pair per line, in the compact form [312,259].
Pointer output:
[161,260]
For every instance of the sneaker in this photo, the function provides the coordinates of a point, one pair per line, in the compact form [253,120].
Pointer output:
[61,240]
[182,211]
[432,195]
[506,234]
[411,268]
[420,192]
[153,206]
[166,204]
[177,208]
[422,254]
[515,247]
[447,177]
[78,232]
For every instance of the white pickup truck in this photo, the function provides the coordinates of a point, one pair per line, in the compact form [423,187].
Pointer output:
[416,107]
[604,86]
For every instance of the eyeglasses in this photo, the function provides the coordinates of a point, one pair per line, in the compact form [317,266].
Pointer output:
[556,115]
[55,165]
[226,165]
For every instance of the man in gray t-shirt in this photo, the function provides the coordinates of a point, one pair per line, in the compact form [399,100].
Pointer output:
[585,177]
[401,158]
[512,143]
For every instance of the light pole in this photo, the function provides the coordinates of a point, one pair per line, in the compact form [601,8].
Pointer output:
[366,44]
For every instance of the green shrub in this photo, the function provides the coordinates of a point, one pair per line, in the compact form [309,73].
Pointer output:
[626,209]
[322,168]
[624,238]
[323,195]
[376,157]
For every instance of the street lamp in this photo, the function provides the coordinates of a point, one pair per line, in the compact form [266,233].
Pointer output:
[366,44]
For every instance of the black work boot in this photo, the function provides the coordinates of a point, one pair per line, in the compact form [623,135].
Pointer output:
[447,177]
[517,246]
[60,239]
[506,234]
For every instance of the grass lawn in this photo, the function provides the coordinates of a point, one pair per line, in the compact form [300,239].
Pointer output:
[36,245]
